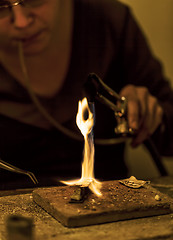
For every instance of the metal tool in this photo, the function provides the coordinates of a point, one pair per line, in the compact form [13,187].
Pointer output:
[97,89]
[12,168]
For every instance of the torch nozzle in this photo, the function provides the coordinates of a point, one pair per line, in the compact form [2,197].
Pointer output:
[94,87]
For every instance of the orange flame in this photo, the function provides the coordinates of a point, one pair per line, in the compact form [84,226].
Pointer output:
[86,128]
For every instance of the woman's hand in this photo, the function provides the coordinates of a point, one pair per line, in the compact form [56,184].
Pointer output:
[144,113]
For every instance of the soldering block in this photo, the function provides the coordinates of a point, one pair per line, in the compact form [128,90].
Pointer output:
[118,202]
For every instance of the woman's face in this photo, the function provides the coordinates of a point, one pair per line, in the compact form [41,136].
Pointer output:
[35,27]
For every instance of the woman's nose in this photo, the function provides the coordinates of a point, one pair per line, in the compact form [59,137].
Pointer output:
[21,17]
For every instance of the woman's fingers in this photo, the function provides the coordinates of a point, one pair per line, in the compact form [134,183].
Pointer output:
[144,114]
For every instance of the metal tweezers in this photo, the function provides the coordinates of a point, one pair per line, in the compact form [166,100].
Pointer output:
[12,168]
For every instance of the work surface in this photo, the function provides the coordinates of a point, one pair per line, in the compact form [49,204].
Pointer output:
[46,227]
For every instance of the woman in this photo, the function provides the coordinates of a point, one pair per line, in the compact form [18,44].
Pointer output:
[62,42]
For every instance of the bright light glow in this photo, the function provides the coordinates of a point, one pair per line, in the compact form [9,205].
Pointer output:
[85,122]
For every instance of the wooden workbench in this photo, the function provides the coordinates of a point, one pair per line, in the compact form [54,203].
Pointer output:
[46,227]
